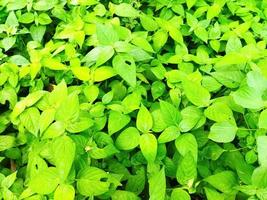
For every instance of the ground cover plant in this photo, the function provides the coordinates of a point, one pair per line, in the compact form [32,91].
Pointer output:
[133,99]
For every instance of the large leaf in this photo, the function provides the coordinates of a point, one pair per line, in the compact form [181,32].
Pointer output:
[124,65]
[45,181]
[196,94]
[149,146]
[91,181]
[157,185]
[223,132]
[144,120]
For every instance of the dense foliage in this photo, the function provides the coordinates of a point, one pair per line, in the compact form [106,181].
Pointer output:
[133,99]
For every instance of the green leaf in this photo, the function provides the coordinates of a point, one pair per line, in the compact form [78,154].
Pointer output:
[46,118]
[80,125]
[103,73]
[201,33]
[43,5]
[187,143]
[259,177]
[169,134]
[196,94]
[233,45]
[69,109]
[149,146]
[159,39]
[8,181]
[230,79]
[53,64]
[248,97]
[263,119]
[19,60]
[122,194]
[213,194]
[148,23]
[213,11]
[187,170]
[98,55]
[157,185]
[124,66]
[223,132]
[232,59]
[82,73]
[64,191]
[106,35]
[125,10]
[179,194]
[190,3]
[157,89]
[142,43]
[8,42]
[223,181]
[37,32]
[11,19]
[257,81]
[91,181]
[117,121]
[131,102]
[45,181]
[191,115]
[26,18]
[261,148]
[54,130]
[144,121]
[124,143]
[219,112]
[170,114]
[63,149]
[30,120]
[44,19]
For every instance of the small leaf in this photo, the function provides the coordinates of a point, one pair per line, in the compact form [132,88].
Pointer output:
[30,119]
[53,64]
[190,3]
[223,132]
[103,73]
[46,118]
[180,194]
[37,32]
[8,181]
[187,170]
[106,35]
[45,181]
[259,177]
[8,42]
[117,121]
[196,94]
[82,73]
[187,143]
[169,134]
[157,185]
[170,114]
[223,181]
[148,145]
[262,148]
[148,23]
[125,10]
[66,192]
[91,181]
[124,143]
[63,149]
[124,65]
[54,130]
[144,120]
